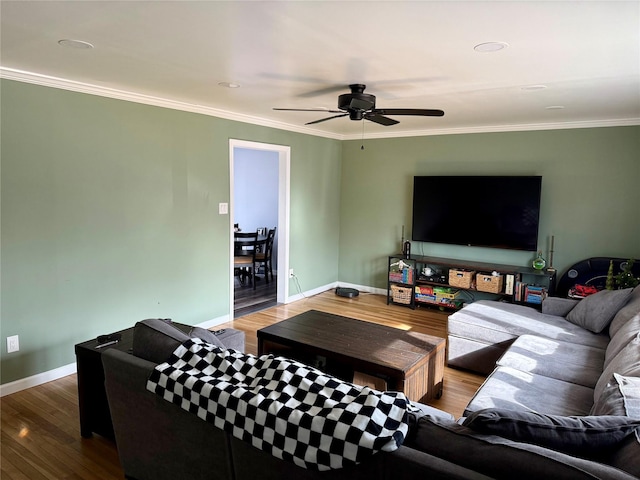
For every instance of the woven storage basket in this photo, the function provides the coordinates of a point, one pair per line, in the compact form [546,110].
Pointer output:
[489,283]
[461,278]
[401,294]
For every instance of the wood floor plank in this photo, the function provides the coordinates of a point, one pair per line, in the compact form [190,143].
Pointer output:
[40,432]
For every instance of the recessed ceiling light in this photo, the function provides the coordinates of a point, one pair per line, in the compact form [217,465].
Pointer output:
[229,85]
[532,88]
[490,46]
[78,44]
[554,107]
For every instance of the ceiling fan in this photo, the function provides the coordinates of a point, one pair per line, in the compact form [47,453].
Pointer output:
[359,105]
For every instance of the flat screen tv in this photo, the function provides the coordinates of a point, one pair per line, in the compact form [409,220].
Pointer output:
[484,211]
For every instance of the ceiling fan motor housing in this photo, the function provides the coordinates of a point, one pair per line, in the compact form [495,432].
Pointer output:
[357,102]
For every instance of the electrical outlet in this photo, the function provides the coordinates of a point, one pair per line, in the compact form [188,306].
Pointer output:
[291,275]
[13,344]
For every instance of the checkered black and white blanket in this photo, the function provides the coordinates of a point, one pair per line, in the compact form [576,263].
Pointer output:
[288,409]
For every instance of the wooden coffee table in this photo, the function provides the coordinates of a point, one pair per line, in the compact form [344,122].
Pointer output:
[410,362]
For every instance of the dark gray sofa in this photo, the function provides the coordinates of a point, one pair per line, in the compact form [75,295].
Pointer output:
[571,360]
[158,440]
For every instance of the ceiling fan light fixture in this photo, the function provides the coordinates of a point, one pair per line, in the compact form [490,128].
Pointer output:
[489,47]
[77,44]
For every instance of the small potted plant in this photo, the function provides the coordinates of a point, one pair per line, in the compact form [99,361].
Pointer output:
[625,278]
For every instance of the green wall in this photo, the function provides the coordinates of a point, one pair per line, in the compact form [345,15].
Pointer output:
[110,215]
[590,194]
[109,210]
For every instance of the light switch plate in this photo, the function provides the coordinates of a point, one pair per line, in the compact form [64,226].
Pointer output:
[223,208]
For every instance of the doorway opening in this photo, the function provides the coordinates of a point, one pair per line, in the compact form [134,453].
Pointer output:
[259,199]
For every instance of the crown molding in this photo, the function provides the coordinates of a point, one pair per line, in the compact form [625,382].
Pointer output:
[80,87]
[525,127]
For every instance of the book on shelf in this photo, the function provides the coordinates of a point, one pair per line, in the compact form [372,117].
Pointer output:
[517,294]
[437,300]
[509,280]
[529,293]
[404,275]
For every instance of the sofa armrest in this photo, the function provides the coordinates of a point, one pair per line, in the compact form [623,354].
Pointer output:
[233,339]
[558,306]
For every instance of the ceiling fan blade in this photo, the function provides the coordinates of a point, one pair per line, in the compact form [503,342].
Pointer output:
[409,111]
[360,104]
[376,118]
[308,110]
[322,91]
[325,119]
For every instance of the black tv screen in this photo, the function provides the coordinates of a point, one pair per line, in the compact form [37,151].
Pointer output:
[484,211]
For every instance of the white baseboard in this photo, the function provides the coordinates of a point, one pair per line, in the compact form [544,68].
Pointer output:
[363,288]
[331,286]
[310,293]
[70,369]
[38,379]
[214,322]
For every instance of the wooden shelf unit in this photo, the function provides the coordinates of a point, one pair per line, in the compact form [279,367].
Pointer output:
[406,273]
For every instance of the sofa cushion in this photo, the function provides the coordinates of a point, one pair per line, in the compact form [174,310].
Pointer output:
[502,458]
[621,396]
[626,363]
[610,401]
[232,339]
[596,311]
[473,355]
[582,436]
[206,335]
[625,313]
[155,339]
[626,333]
[512,389]
[565,361]
[630,389]
[493,322]
[558,306]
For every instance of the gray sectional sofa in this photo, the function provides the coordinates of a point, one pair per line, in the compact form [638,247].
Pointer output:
[554,370]
[560,401]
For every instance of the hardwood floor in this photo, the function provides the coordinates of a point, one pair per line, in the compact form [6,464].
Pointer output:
[246,299]
[40,432]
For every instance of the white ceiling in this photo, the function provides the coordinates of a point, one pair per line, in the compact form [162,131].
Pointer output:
[303,54]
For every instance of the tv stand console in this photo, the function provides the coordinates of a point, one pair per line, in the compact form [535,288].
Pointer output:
[448,283]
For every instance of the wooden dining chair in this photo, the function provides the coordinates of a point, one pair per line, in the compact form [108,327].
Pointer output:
[244,257]
[264,258]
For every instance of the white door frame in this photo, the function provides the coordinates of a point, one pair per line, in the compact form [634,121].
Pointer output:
[284,166]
